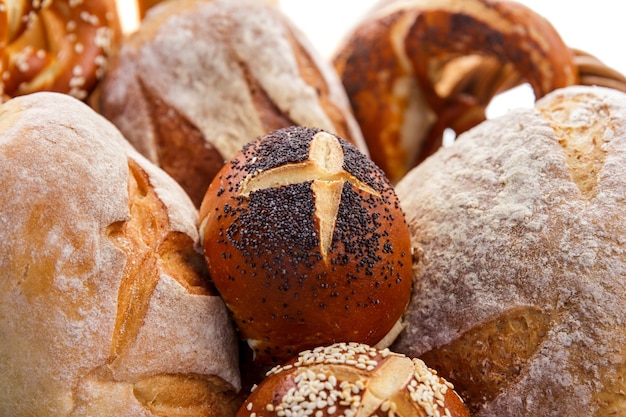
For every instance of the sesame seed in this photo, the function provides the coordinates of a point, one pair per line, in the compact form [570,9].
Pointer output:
[89,18]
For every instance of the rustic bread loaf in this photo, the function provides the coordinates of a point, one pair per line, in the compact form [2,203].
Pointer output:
[105,304]
[519,235]
[199,79]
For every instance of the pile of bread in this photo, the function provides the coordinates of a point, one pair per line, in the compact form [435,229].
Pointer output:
[205,217]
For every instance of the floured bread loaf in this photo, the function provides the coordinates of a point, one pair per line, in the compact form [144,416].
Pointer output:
[519,233]
[105,307]
[199,79]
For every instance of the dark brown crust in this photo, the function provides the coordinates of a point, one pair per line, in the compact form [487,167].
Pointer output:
[312,75]
[182,150]
[271,116]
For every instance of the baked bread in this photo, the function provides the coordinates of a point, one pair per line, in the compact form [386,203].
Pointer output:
[414,68]
[306,243]
[105,304]
[351,379]
[59,45]
[199,79]
[518,230]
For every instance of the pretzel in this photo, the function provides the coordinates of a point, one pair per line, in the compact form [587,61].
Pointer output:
[413,68]
[55,45]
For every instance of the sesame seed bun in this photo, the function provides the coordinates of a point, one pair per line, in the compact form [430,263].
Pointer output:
[353,380]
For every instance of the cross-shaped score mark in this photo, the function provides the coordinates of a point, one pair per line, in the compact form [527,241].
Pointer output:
[325,169]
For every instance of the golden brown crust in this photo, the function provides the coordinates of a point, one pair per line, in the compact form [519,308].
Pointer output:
[104,297]
[257,73]
[350,379]
[518,234]
[400,94]
[60,46]
[306,243]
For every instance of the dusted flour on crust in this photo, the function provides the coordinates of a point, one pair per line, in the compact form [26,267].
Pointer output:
[222,72]
[519,238]
[104,304]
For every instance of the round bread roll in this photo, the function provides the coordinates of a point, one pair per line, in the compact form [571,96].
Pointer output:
[306,243]
[413,68]
[351,379]
[59,45]
[199,79]
[105,303]
[518,231]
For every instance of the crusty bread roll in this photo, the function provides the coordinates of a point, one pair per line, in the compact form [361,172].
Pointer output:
[519,234]
[59,45]
[105,305]
[201,78]
[306,242]
[352,379]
